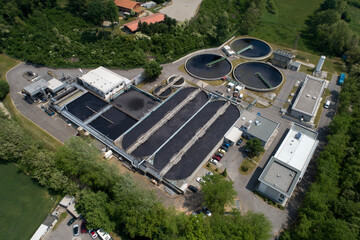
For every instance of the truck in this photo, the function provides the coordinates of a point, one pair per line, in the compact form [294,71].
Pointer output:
[341,79]
[237,91]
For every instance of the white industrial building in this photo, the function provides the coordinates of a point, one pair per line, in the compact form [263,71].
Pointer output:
[287,167]
[308,99]
[104,82]
[233,135]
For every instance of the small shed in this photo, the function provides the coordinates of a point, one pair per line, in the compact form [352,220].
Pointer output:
[66,201]
[232,136]
[231,85]
[149,4]
[295,66]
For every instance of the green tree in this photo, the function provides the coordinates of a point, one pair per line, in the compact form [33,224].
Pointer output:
[96,11]
[217,192]
[152,70]
[254,147]
[4,89]
[94,207]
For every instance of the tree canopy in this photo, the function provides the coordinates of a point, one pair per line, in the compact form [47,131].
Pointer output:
[217,192]
[254,147]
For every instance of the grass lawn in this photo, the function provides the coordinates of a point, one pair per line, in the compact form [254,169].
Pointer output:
[354,14]
[284,26]
[6,63]
[24,204]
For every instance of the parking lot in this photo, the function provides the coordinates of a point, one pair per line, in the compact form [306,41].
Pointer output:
[63,231]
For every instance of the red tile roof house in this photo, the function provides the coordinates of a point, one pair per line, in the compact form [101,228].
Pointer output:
[153,18]
[129,6]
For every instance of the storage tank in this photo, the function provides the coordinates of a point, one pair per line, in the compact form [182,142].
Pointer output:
[320,64]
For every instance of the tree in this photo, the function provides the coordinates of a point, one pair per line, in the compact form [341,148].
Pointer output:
[94,207]
[152,70]
[217,192]
[96,11]
[4,89]
[254,147]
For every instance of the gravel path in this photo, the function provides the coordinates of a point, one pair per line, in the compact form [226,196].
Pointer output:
[182,10]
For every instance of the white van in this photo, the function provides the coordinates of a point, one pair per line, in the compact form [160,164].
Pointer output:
[327,104]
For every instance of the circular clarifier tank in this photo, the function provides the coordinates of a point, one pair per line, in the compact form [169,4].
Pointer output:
[208,66]
[254,49]
[180,82]
[258,76]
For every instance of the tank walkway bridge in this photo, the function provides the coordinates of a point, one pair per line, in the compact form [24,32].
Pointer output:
[166,118]
[177,157]
[170,84]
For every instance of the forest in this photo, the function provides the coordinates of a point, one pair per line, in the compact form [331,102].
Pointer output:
[41,32]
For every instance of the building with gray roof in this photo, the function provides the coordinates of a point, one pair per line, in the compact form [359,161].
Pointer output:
[308,99]
[261,128]
[287,167]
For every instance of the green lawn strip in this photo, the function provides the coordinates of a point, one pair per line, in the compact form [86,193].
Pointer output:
[6,63]
[269,201]
[61,218]
[249,164]
[319,112]
[24,204]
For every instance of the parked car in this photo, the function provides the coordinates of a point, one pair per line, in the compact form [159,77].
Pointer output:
[93,233]
[207,211]
[209,173]
[327,104]
[221,150]
[71,221]
[214,161]
[239,142]
[220,155]
[216,157]
[83,227]
[192,188]
[225,147]
[76,230]
[226,144]
[200,180]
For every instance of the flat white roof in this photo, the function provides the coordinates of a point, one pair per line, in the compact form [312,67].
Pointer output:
[296,149]
[104,79]
[39,232]
[55,84]
[309,96]
[233,134]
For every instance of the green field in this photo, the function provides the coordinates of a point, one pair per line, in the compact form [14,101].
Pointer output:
[354,14]
[23,204]
[284,26]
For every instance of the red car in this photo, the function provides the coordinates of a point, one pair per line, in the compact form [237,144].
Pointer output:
[93,233]
[217,158]
[83,227]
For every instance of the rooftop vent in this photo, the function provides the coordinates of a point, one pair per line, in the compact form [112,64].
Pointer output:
[307,95]
[278,175]
[314,97]
[257,123]
[298,136]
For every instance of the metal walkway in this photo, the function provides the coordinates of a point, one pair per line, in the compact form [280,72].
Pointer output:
[166,118]
[177,157]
